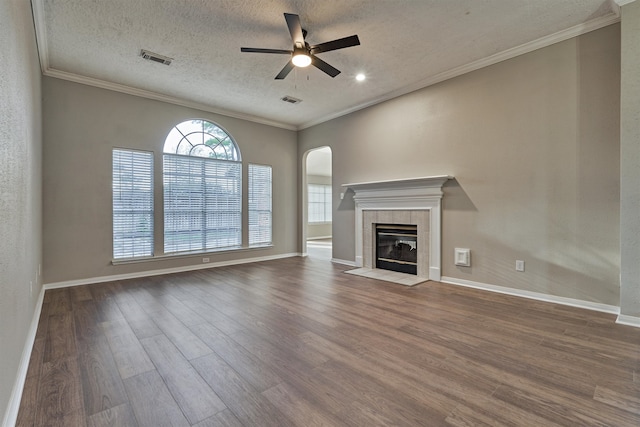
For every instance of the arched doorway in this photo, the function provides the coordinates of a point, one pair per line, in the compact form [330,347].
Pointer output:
[317,209]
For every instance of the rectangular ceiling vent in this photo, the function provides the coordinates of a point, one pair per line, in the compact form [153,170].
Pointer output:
[155,57]
[291,100]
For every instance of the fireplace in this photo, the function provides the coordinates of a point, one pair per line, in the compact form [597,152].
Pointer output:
[412,201]
[397,247]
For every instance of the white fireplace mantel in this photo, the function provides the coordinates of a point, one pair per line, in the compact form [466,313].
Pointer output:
[423,193]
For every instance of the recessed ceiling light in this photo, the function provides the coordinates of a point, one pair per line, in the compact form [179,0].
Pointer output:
[360,77]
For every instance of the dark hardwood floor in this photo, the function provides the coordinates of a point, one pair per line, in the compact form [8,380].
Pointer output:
[298,342]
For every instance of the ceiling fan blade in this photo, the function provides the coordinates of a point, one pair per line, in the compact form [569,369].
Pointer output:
[286,70]
[323,66]
[335,44]
[295,28]
[259,50]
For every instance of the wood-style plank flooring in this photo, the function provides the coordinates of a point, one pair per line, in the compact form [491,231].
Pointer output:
[297,342]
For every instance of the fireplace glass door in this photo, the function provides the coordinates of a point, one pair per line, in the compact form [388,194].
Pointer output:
[397,248]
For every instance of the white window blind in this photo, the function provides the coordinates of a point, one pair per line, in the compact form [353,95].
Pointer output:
[202,203]
[319,203]
[260,216]
[132,183]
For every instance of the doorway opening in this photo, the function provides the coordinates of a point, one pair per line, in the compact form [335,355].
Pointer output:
[318,205]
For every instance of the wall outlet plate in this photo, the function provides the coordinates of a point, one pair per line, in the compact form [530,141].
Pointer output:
[519,265]
[462,257]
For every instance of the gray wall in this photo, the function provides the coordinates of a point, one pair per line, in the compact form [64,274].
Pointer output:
[630,161]
[82,124]
[534,145]
[20,188]
[315,230]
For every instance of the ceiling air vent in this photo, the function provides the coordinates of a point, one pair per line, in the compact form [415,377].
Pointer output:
[291,100]
[155,57]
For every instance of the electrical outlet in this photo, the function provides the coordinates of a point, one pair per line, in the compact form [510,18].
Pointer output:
[519,265]
[205,260]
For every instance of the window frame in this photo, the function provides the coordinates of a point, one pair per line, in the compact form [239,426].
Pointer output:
[260,210]
[134,212]
[158,250]
[208,207]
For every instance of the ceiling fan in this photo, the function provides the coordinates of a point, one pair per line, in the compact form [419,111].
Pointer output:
[303,54]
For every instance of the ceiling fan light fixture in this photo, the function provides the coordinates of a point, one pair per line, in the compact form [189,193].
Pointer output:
[304,54]
[301,58]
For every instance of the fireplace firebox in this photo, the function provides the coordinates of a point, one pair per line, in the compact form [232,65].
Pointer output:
[397,248]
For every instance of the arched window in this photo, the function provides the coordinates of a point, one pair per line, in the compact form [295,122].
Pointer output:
[200,138]
[202,188]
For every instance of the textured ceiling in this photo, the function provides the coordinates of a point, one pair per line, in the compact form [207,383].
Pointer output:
[405,45]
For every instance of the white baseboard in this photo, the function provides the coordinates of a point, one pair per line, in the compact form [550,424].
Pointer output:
[343,261]
[11,414]
[159,272]
[628,320]
[534,295]
[311,239]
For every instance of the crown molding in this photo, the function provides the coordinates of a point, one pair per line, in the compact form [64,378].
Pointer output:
[623,2]
[63,75]
[560,36]
[37,10]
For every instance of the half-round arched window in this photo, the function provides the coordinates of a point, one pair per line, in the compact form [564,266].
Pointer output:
[202,188]
[201,138]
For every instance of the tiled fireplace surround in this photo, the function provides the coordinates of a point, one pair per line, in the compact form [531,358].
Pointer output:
[407,201]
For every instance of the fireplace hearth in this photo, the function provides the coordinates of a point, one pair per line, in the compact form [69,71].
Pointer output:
[397,247]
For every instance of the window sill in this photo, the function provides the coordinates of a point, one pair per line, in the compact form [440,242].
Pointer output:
[179,255]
